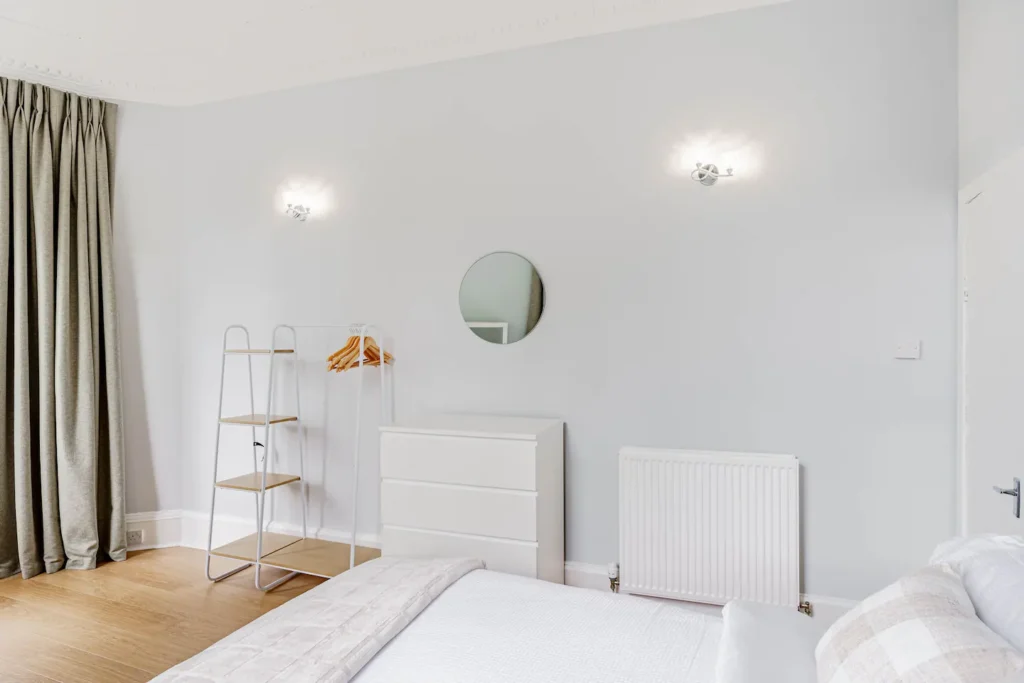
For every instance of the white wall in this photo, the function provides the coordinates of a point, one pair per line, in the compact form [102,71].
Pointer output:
[991,84]
[762,314]
[148,215]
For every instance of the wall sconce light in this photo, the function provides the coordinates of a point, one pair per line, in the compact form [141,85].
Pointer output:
[708,174]
[735,156]
[304,199]
[298,211]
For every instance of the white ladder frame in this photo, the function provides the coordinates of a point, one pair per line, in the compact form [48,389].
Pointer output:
[386,392]
[267,450]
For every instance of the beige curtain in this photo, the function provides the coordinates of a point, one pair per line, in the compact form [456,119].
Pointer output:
[62,455]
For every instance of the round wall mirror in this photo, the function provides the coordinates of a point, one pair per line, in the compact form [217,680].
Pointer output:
[501,298]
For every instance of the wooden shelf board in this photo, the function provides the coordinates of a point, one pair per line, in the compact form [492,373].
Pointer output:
[251,481]
[257,420]
[245,548]
[318,557]
[257,352]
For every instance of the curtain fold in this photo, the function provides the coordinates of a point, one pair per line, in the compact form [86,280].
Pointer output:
[62,452]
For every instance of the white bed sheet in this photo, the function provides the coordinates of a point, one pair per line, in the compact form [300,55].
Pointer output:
[765,643]
[498,628]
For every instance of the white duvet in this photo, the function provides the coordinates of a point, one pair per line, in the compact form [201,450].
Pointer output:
[393,621]
[497,628]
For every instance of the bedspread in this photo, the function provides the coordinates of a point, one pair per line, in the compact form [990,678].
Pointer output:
[329,633]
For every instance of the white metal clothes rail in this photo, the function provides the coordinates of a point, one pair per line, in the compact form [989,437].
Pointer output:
[295,554]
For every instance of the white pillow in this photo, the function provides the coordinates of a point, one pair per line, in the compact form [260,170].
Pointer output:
[961,548]
[921,629]
[992,570]
[762,643]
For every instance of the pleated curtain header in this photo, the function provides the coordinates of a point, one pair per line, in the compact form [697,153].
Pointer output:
[40,103]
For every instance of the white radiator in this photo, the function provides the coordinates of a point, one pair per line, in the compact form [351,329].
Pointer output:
[709,527]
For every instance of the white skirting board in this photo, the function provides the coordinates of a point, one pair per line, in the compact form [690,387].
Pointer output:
[584,575]
[159,529]
[185,528]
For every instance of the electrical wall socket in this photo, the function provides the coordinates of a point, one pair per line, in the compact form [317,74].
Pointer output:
[135,537]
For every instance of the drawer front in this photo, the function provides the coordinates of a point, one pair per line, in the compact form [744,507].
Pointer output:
[460,509]
[497,463]
[510,557]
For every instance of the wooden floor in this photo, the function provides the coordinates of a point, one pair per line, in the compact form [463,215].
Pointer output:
[127,621]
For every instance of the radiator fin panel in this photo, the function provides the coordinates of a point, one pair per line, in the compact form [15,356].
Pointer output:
[709,527]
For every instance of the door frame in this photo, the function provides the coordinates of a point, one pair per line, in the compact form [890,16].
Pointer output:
[965,197]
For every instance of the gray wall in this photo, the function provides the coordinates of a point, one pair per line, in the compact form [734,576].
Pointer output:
[991,84]
[762,314]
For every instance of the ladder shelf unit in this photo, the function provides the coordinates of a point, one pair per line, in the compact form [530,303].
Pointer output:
[293,554]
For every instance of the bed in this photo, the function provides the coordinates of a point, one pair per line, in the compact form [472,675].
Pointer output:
[502,628]
[408,620]
[400,620]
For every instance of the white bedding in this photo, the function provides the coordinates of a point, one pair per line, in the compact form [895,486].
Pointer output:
[327,634]
[485,628]
[497,628]
[765,643]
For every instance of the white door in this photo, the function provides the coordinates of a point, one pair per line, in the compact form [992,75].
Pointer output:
[992,240]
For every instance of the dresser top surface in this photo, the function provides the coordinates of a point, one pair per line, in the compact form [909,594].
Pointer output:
[492,426]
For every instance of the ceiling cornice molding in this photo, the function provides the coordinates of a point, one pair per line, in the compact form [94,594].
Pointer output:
[260,60]
[69,81]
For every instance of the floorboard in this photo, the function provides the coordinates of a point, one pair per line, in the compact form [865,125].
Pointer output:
[127,621]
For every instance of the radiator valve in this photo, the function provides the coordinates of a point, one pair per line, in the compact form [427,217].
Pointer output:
[613,576]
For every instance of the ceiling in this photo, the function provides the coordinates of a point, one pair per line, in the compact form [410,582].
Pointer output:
[185,52]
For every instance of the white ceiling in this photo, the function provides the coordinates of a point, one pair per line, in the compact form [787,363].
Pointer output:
[189,51]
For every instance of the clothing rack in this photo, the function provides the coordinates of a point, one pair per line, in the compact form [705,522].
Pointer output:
[295,554]
[364,330]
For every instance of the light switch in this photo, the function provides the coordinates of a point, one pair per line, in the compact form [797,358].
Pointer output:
[910,350]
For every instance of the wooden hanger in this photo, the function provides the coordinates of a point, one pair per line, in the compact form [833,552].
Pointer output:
[343,350]
[347,357]
[373,356]
[373,352]
[343,356]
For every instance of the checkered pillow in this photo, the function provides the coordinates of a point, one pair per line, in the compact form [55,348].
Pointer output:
[921,629]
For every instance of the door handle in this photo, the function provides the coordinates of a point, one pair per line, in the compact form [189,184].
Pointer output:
[1015,492]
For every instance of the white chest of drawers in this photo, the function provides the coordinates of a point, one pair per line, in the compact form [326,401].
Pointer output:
[476,486]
